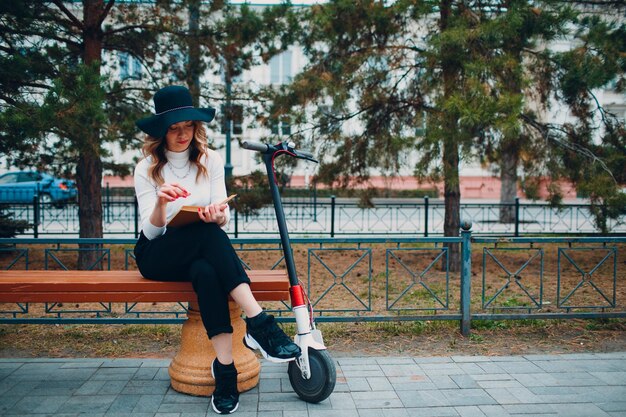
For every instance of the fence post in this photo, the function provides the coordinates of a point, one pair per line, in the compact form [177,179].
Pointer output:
[108,202]
[426,215]
[516,216]
[315,201]
[36,216]
[236,223]
[136,217]
[466,277]
[332,216]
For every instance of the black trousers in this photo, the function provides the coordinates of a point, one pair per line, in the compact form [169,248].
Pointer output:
[200,253]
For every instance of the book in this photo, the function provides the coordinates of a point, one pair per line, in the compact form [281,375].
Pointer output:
[189,214]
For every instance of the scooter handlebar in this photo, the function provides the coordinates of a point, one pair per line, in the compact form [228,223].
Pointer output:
[255,146]
[305,154]
[267,149]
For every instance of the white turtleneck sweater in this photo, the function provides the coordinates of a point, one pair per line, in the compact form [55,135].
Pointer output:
[203,192]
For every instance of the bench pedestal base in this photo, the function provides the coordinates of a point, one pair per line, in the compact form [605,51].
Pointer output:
[190,370]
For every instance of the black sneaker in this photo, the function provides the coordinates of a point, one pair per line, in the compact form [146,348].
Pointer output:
[263,333]
[225,399]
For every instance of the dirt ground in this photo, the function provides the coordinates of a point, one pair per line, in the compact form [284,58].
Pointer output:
[378,280]
[345,339]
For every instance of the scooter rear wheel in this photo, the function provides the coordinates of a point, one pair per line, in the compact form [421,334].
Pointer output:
[322,381]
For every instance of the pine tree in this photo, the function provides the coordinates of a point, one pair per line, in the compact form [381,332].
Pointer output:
[59,105]
[449,80]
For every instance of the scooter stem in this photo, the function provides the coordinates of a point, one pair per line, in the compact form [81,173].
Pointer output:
[280,219]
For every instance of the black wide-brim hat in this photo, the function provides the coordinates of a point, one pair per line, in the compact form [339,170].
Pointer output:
[172,105]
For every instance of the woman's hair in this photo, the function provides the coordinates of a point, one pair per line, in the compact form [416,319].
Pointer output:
[155,148]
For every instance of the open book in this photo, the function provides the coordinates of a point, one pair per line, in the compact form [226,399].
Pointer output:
[189,214]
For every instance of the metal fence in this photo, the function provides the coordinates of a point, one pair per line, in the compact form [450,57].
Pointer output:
[375,279]
[338,217]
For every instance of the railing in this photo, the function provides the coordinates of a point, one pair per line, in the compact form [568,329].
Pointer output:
[376,279]
[339,217]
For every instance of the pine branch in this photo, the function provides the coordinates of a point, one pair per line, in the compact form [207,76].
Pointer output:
[106,11]
[126,28]
[69,14]
[545,128]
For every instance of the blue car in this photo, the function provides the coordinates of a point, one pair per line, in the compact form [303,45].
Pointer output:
[22,186]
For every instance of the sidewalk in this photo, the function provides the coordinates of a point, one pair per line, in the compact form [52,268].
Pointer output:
[585,385]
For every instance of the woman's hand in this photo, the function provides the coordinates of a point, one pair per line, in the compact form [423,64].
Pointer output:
[169,192]
[213,213]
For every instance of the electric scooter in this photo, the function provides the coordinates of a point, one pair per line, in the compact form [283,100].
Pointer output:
[313,374]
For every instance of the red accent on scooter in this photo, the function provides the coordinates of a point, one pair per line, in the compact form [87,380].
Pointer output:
[297,296]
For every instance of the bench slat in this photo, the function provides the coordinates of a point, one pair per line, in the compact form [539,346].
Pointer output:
[119,286]
[121,297]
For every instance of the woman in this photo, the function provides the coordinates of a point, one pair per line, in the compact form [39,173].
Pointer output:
[179,169]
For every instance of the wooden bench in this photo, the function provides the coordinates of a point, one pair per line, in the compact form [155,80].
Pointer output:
[190,370]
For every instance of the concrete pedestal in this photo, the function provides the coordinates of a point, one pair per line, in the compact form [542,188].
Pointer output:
[190,370]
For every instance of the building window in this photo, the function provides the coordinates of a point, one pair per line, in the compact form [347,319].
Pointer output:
[235,119]
[281,127]
[130,67]
[280,68]
[328,120]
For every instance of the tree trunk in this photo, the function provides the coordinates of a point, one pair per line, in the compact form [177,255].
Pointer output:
[89,167]
[452,200]
[195,64]
[509,158]
[452,191]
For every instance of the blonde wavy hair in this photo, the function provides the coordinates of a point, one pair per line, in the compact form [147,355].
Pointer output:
[156,147]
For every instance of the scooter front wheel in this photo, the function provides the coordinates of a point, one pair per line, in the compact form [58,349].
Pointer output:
[322,381]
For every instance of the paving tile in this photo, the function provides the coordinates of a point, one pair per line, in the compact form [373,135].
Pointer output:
[401,370]
[529,408]
[610,378]
[122,363]
[472,359]
[379,384]
[471,368]
[432,412]
[148,403]
[90,364]
[146,387]
[533,385]
[124,404]
[155,363]
[87,404]
[184,408]
[38,405]
[433,359]
[383,412]
[113,387]
[461,397]
[612,406]
[507,383]
[330,413]
[578,410]
[502,396]
[441,369]
[120,374]
[395,361]
[520,367]
[341,401]
[358,384]
[270,385]
[377,399]
[443,381]
[469,411]
[464,381]
[90,387]
[145,373]
[420,399]
[494,411]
